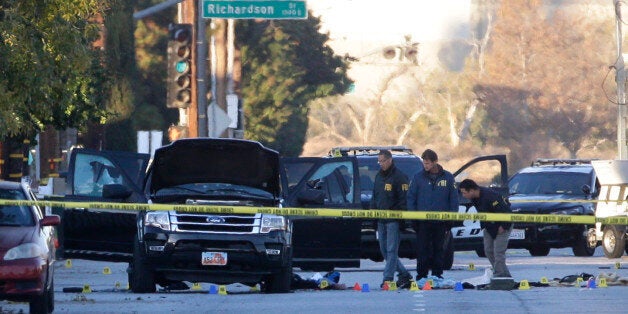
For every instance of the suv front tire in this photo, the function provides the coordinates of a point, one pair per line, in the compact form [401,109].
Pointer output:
[142,277]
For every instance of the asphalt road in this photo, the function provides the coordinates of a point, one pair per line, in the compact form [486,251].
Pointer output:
[108,282]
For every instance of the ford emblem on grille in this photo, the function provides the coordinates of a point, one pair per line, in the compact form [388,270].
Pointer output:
[215,220]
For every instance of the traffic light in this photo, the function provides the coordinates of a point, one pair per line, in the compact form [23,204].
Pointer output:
[179,66]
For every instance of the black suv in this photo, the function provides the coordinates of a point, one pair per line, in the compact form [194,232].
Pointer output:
[174,244]
[557,187]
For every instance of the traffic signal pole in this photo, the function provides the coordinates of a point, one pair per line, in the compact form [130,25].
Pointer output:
[187,14]
[201,66]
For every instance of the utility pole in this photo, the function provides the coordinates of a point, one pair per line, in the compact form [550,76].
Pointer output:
[620,79]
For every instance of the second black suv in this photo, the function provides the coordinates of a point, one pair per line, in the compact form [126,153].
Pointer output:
[490,170]
[557,187]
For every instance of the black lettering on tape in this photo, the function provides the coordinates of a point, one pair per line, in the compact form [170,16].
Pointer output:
[517,218]
[432,216]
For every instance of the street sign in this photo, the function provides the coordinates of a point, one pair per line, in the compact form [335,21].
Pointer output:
[261,9]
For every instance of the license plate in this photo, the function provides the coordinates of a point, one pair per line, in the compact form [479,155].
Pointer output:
[214,259]
[517,234]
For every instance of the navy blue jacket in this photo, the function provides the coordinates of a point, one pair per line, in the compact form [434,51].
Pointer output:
[433,194]
[492,202]
[389,190]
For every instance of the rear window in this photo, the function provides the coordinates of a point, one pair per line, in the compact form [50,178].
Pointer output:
[15,215]
[368,168]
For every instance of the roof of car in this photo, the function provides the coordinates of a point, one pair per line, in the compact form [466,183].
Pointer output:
[559,165]
[398,150]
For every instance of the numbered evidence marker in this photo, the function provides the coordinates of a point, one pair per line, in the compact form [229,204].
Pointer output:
[471,266]
[106,271]
[392,286]
[544,280]
[524,285]
[68,263]
[323,284]
[87,289]
[222,290]
[414,286]
[196,286]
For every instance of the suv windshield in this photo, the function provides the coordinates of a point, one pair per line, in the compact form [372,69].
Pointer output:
[569,183]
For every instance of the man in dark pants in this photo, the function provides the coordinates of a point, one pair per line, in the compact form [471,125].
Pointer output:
[431,190]
[496,233]
[389,193]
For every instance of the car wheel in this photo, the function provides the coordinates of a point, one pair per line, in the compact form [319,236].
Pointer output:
[539,250]
[583,246]
[43,303]
[280,282]
[448,252]
[142,277]
[480,252]
[613,241]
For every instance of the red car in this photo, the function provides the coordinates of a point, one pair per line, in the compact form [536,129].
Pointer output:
[27,250]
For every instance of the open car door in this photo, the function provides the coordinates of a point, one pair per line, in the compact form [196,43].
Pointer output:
[490,171]
[323,243]
[102,176]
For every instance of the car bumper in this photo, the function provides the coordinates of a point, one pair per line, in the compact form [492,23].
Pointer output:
[553,236]
[249,256]
[22,279]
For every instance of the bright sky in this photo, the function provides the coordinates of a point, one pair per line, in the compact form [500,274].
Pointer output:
[390,20]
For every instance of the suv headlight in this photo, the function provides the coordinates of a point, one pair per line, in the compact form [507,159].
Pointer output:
[26,250]
[272,222]
[568,211]
[159,219]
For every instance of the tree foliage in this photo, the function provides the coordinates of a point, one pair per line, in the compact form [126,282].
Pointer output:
[532,87]
[49,73]
[285,64]
[552,69]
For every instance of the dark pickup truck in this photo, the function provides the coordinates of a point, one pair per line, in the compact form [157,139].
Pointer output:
[165,246]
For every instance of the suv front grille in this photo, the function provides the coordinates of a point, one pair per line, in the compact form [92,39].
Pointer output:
[207,223]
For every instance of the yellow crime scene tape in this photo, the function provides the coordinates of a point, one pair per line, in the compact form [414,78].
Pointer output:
[330,212]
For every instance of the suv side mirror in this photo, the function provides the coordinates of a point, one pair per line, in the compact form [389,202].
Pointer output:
[311,197]
[116,191]
[586,189]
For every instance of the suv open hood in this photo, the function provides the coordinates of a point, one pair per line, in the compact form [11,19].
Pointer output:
[213,160]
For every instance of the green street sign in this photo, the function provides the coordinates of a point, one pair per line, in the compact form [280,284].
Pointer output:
[261,9]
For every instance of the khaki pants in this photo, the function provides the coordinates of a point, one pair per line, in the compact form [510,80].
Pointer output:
[495,250]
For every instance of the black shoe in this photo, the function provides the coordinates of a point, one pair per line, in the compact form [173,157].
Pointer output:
[404,282]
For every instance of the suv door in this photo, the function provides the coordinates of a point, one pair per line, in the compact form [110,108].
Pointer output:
[322,243]
[102,176]
[490,171]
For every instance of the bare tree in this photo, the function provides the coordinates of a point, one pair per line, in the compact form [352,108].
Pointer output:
[557,56]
